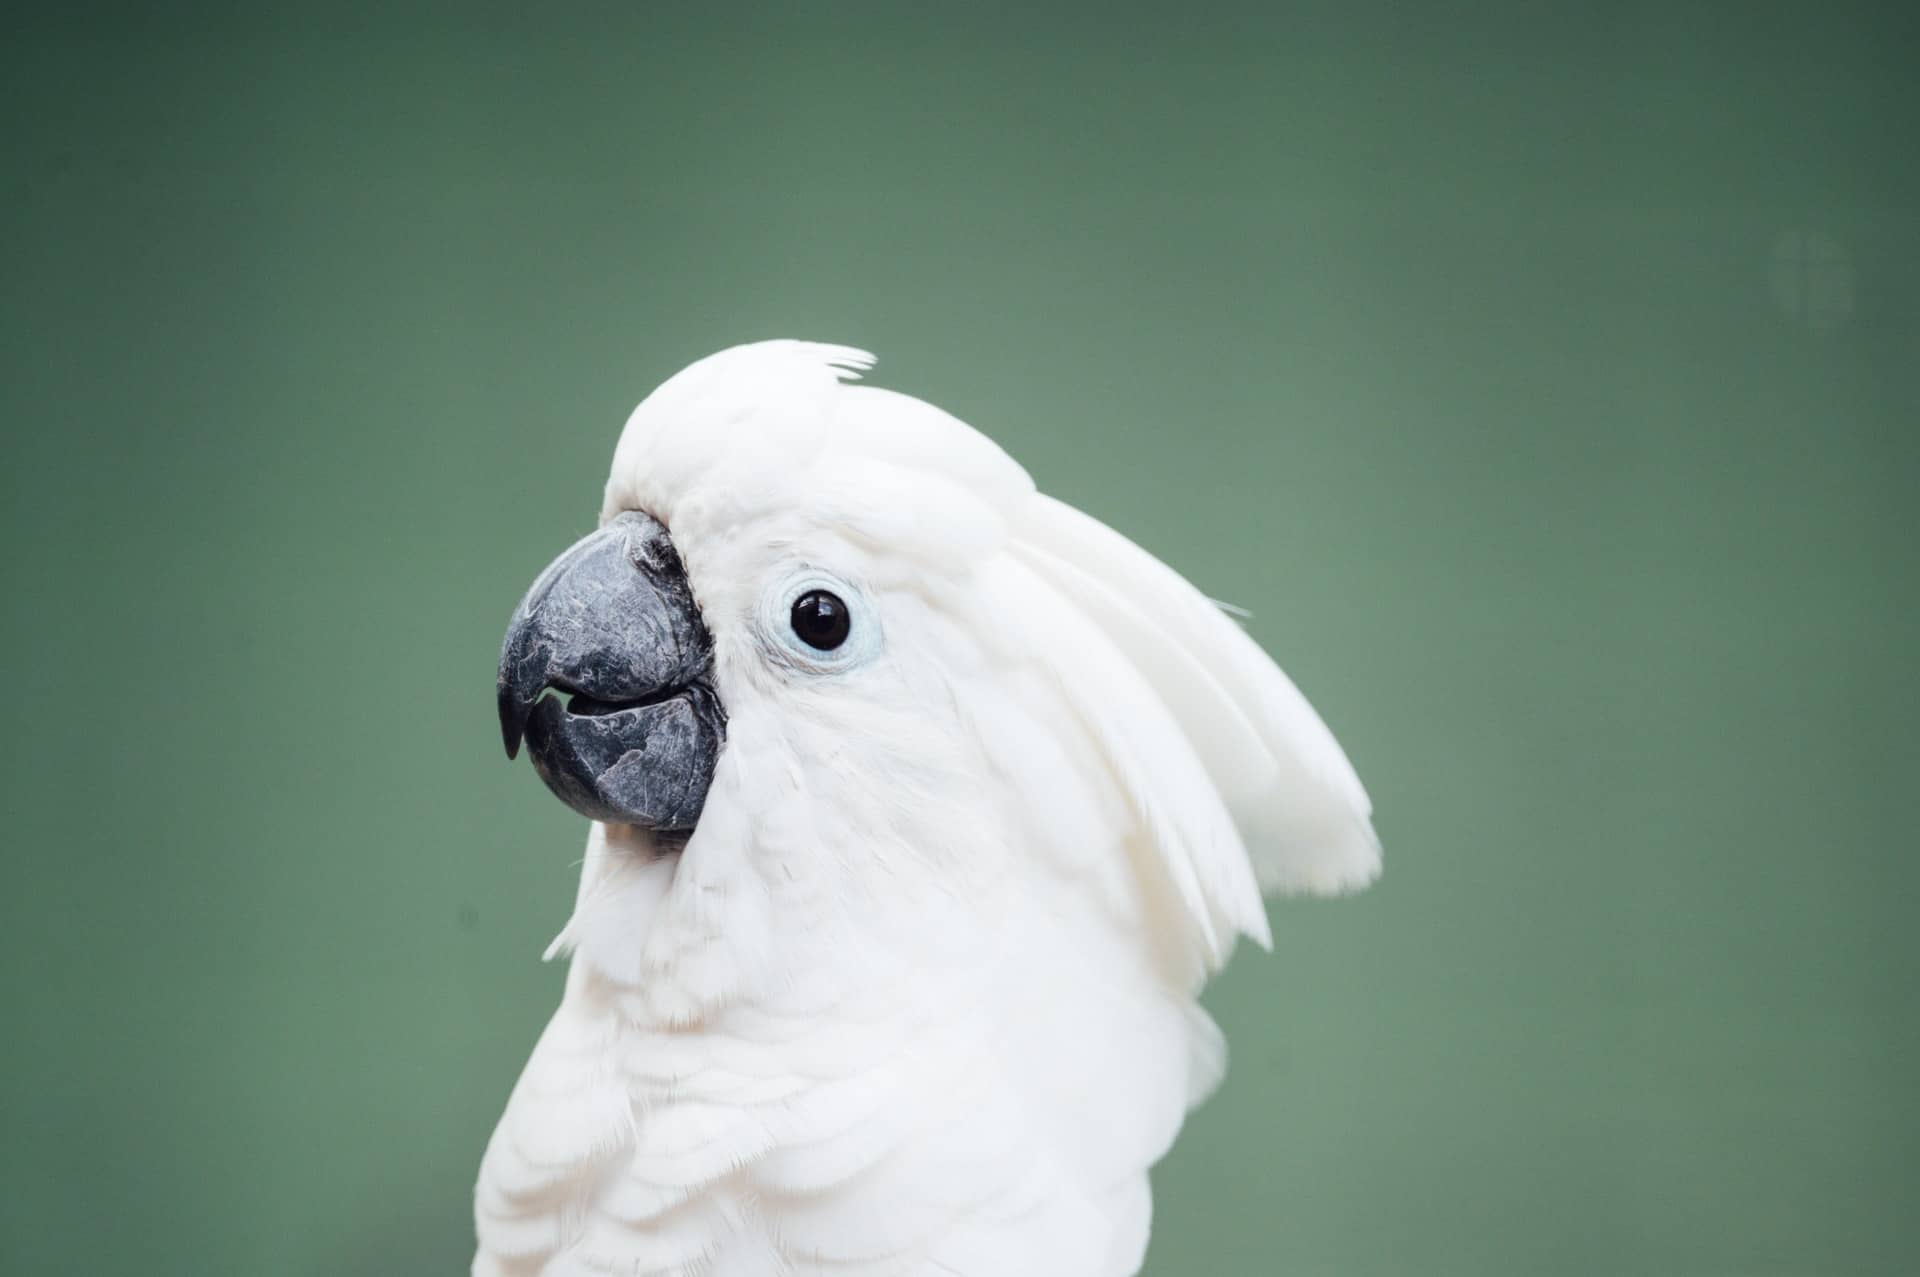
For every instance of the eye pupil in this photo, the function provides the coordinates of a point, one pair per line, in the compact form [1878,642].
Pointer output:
[821,620]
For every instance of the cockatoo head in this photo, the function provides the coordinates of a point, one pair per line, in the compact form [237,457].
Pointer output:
[836,624]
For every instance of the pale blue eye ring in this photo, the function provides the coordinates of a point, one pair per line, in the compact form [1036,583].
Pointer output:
[816,622]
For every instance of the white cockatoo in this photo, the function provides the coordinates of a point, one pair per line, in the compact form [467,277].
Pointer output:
[923,806]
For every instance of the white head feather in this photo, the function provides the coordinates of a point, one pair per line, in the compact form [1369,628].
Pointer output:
[765,462]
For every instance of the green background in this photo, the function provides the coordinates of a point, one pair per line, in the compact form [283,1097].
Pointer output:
[1547,384]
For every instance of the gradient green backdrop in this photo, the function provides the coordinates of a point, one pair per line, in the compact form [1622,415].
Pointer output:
[1546,384]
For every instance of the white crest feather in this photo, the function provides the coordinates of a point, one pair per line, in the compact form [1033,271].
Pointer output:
[1295,798]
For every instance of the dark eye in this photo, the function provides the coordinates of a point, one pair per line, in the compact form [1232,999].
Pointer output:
[821,620]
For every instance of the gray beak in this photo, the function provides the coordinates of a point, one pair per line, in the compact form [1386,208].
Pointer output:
[613,622]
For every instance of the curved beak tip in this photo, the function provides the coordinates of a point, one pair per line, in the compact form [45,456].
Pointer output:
[513,721]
